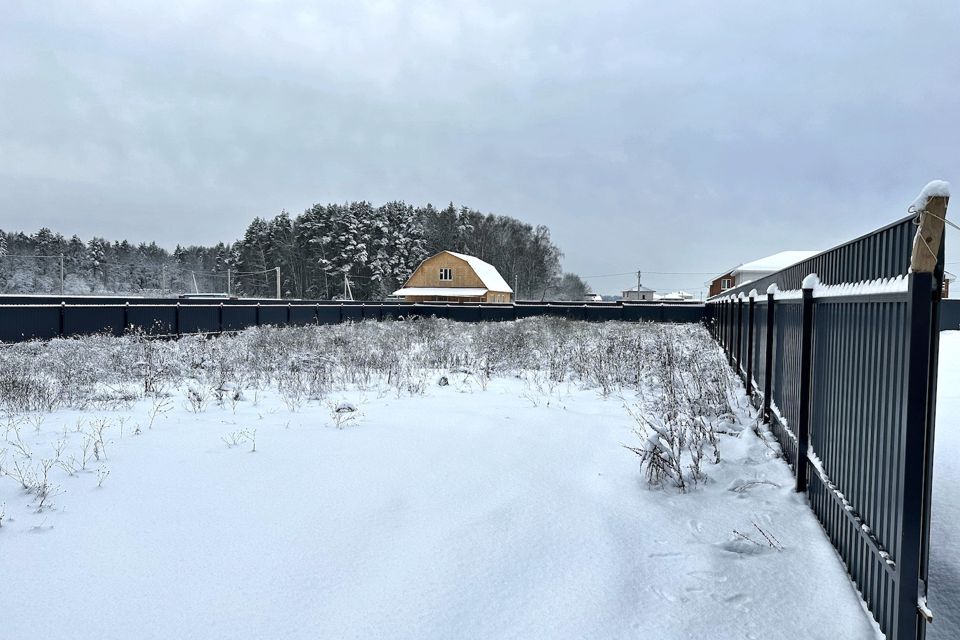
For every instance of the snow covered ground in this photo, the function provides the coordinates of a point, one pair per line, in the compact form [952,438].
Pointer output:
[945,530]
[494,510]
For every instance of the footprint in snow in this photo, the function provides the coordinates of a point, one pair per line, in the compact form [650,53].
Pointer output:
[742,485]
[743,547]
[665,554]
[708,576]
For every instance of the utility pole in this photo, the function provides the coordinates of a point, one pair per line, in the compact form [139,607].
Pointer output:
[278,283]
[61,275]
[163,279]
[516,287]
[196,289]
[228,283]
[347,289]
[638,285]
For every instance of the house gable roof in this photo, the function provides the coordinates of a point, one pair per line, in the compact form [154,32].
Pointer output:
[776,262]
[487,273]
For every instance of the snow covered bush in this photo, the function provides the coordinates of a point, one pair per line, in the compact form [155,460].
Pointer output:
[308,363]
[677,377]
[686,396]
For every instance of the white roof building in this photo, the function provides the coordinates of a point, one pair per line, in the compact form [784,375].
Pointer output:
[762,267]
[674,296]
[644,293]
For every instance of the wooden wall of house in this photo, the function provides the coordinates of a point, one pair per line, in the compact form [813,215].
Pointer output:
[428,275]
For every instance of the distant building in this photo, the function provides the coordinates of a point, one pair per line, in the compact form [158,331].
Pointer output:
[455,277]
[592,297]
[757,269]
[675,296]
[645,293]
[947,279]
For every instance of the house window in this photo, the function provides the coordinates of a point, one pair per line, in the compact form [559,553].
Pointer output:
[725,283]
[446,274]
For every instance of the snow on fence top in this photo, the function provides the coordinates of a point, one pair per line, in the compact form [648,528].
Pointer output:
[880,286]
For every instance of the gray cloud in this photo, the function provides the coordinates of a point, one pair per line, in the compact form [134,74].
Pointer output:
[678,136]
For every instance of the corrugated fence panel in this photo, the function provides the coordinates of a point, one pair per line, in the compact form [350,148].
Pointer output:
[199,318]
[760,341]
[152,319]
[351,312]
[273,315]
[303,314]
[786,376]
[950,315]
[857,430]
[329,314]
[497,313]
[237,318]
[21,323]
[82,320]
[852,382]
[744,317]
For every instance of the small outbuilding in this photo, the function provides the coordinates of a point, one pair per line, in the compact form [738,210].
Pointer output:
[455,277]
[638,294]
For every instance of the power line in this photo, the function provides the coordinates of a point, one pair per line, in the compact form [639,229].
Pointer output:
[611,275]
[656,273]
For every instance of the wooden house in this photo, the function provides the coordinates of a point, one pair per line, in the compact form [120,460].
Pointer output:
[455,277]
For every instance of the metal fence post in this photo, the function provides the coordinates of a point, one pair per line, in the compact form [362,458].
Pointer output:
[750,312]
[768,357]
[806,357]
[258,314]
[220,316]
[63,319]
[289,313]
[176,320]
[126,317]
[914,446]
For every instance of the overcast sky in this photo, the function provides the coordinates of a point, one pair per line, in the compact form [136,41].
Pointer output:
[667,136]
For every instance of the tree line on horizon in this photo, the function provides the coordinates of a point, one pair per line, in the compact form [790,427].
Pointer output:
[323,253]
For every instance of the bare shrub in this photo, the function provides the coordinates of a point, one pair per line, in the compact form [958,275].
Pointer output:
[196,396]
[687,393]
[342,413]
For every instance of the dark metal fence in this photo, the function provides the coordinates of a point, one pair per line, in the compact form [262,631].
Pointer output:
[29,318]
[847,382]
